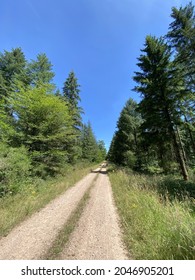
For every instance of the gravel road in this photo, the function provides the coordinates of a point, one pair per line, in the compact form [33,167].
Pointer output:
[97,235]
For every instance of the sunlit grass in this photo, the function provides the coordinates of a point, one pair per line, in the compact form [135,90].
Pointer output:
[154,227]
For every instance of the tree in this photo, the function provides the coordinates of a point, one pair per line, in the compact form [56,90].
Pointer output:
[40,71]
[71,97]
[101,150]
[89,144]
[43,125]
[162,88]
[181,36]
[12,68]
[124,147]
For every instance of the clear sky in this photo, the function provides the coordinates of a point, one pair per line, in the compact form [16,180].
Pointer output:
[98,39]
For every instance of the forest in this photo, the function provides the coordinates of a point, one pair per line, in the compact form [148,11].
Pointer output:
[158,133]
[41,127]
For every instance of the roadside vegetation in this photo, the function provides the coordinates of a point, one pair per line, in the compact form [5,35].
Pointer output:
[157,221]
[35,195]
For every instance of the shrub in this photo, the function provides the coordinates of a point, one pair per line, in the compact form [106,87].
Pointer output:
[15,167]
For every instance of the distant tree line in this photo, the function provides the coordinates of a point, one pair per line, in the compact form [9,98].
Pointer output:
[41,127]
[159,132]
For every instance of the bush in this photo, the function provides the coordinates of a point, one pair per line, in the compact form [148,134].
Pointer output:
[15,167]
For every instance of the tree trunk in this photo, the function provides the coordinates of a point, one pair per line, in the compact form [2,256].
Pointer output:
[181,145]
[177,148]
[191,137]
[137,149]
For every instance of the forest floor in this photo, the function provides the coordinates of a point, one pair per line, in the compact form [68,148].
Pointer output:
[97,234]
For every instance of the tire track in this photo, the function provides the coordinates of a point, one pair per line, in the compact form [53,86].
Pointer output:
[98,235]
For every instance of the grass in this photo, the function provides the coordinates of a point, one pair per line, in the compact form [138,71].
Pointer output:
[155,227]
[14,209]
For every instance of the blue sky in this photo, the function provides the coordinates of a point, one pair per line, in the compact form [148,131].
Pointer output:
[99,39]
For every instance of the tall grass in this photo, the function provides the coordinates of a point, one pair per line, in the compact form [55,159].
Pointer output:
[155,227]
[32,197]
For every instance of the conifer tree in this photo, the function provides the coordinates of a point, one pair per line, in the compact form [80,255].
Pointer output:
[124,147]
[40,71]
[161,87]
[12,69]
[71,96]
[181,36]
[89,144]
[43,125]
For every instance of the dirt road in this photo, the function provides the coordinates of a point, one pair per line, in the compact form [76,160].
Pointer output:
[98,234]
[96,237]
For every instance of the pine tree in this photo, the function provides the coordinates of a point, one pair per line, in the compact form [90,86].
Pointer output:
[71,96]
[40,71]
[89,144]
[12,69]
[161,87]
[124,149]
[182,39]
[181,36]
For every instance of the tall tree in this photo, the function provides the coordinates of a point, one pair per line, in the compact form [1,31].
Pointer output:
[181,36]
[43,125]
[40,71]
[89,144]
[124,148]
[12,68]
[161,87]
[71,96]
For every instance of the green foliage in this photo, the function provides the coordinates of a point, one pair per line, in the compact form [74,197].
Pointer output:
[124,148]
[71,96]
[40,71]
[89,144]
[43,125]
[15,168]
[71,90]
[101,151]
